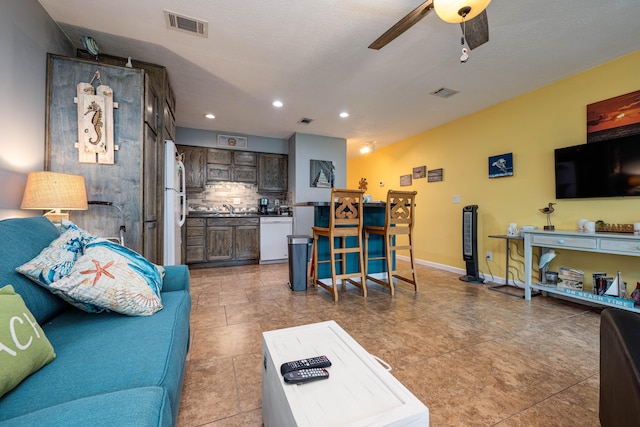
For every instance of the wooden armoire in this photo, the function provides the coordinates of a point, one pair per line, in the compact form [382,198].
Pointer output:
[145,117]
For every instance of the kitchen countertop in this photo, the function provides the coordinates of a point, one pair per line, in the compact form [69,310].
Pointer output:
[376,204]
[211,214]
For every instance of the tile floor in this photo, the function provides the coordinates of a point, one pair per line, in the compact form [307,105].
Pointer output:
[473,356]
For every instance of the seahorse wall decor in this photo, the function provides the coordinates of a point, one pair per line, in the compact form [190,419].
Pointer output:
[96,120]
[95,123]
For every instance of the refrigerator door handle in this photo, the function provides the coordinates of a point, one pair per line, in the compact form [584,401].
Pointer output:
[183,194]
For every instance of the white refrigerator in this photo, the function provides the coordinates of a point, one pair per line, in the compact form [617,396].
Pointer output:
[175,204]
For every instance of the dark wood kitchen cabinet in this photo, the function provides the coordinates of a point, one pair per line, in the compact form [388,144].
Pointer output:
[272,172]
[233,239]
[247,242]
[231,166]
[135,180]
[245,158]
[219,242]
[220,157]
[194,164]
[222,241]
[216,172]
[195,240]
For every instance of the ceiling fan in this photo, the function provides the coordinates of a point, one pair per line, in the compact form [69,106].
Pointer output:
[471,14]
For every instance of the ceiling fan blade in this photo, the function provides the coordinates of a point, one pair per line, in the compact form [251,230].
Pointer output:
[403,25]
[477,30]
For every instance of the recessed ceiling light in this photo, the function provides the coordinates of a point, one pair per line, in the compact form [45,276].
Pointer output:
[344,114]
[210,116]
[277,104]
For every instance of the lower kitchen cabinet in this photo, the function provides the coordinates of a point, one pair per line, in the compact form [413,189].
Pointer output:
[195,240]
[219,243]
[247,245]
[213,242]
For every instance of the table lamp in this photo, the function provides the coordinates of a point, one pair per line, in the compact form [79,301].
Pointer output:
[54,191]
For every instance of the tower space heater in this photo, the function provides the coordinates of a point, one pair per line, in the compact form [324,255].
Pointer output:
[470,243]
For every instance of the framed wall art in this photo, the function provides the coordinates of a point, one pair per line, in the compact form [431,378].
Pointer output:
[435,175]
[322,173]
[614,117]
[501,165]
[232,141]
[419,172]
[405,180]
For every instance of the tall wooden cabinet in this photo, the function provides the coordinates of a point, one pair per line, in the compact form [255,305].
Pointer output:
[144,119]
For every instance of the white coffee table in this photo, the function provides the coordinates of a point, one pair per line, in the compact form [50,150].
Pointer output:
[359,390]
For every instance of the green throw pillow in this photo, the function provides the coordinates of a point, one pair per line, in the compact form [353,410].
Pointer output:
[23,346]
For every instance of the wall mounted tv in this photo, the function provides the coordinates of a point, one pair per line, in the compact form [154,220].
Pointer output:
[599,169]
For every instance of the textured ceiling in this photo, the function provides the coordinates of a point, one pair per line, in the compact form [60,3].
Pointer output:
[313,56]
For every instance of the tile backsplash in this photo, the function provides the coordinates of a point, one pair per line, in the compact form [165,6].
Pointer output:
[218,194]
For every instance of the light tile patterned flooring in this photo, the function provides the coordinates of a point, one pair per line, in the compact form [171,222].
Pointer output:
[475,357]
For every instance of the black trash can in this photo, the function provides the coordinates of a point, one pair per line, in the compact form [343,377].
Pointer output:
[300,248]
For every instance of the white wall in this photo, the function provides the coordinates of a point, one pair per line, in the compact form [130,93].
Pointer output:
[302,149]
[27,34]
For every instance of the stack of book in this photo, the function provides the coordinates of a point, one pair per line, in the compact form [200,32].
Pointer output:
[601,283]
[569,278]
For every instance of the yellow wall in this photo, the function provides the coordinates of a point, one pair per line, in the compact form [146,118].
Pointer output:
[530,126]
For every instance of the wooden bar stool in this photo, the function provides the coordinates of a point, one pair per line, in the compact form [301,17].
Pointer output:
[345,220]
[399,221]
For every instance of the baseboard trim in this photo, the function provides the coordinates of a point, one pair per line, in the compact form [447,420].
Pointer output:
[457,270]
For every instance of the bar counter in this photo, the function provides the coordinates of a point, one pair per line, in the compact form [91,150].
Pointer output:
[374,214]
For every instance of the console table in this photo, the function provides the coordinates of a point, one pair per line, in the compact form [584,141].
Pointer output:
[508,239]
[605,243]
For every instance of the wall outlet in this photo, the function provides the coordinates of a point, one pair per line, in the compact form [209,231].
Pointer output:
[489,256]
[237,200]
[456,199]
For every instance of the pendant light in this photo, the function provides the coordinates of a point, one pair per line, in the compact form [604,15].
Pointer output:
[455,11]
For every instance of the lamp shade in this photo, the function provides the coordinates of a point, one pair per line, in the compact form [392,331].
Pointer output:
[51,190]
[448,10]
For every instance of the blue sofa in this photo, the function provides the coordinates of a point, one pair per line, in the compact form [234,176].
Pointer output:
[109,369]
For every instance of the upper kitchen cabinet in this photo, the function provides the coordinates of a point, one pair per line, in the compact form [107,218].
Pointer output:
[231,166]
[135,179]
[194,163]
[219,157]
[245,158]
[169,113]
[272,172]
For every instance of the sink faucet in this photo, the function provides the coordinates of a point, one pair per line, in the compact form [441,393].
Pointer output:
[229,207]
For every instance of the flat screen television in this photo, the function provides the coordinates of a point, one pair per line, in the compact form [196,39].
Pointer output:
[599,169]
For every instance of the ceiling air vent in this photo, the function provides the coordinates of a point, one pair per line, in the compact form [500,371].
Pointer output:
[444,92]
[305,121]
[186,24]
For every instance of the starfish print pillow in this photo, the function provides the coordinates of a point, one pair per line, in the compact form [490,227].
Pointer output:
[57,260]
[113,278]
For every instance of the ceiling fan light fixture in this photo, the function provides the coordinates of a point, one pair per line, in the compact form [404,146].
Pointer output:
[368,147]
[454,11]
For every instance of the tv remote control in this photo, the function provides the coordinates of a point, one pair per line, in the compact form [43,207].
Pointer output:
[312,362]
[302,376]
